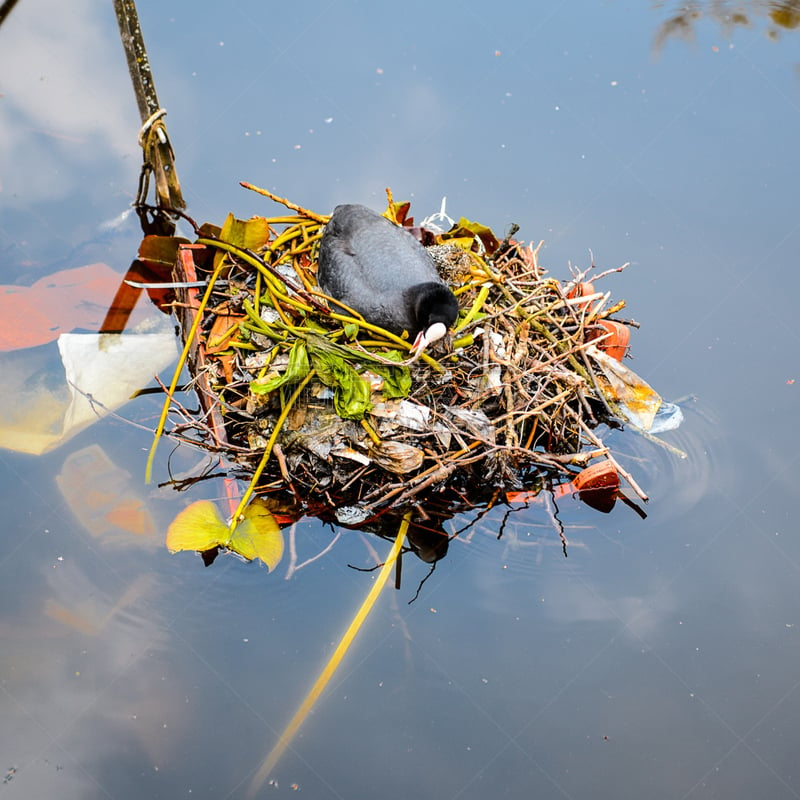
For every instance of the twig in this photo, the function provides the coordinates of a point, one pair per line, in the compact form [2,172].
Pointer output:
[304,212]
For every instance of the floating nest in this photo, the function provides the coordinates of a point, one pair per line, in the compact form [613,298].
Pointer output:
[321,412]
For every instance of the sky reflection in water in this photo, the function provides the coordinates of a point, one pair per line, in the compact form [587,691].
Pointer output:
[659,659]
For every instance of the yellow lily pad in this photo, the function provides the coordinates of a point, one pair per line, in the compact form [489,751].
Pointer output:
[258,535]
[249,234]
[201,527]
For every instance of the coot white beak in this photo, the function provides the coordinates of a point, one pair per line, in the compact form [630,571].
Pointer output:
[424,338]
[435,332]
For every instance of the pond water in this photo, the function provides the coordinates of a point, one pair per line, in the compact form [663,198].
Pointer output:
[661,658]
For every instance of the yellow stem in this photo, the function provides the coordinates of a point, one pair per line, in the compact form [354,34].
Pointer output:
[371,432]
[333,664]
[245,256]
[476,307]
[162,421]
[268,451]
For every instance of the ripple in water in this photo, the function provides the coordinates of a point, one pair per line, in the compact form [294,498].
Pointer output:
[673,483]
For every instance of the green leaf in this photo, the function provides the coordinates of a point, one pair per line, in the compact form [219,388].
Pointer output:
[396,380]
[297,369]
[351,395]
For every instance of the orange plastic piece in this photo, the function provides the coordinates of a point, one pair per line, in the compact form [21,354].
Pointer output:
[616,344]
[583,289]
[597,485]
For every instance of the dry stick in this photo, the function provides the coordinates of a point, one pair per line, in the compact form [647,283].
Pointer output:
[356,475]
[548,460]
[486,349]
[322,219]
[568,355]
[611,271]
[625,474]
[442,473]
[591,376]
[281,459]
[511,435]
[521,415]
[421,476]
[192,422]
[5,9]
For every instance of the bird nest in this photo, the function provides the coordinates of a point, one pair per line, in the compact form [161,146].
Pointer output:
[321,411]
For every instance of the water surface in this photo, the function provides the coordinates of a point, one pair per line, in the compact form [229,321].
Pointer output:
[659,660]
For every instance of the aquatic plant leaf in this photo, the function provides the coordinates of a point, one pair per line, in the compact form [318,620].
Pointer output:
[297,369]
[160,251]
[397,212]
[248,234]
[200,527]
[466,228]
[351,395]
[396,380]
[258,535]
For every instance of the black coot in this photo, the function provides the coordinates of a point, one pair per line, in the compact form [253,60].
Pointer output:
[384,273]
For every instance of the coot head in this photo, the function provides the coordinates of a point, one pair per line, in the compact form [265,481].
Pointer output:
[434,309]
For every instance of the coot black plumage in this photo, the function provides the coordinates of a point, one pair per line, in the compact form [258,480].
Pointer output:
[380,270]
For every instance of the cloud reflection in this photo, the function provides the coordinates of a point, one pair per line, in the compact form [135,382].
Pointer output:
[62,102]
